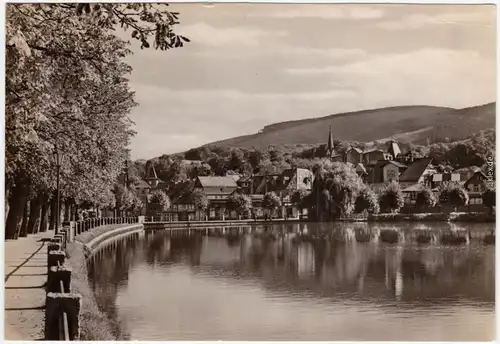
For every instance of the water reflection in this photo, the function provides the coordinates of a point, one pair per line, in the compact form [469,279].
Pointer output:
[313,264]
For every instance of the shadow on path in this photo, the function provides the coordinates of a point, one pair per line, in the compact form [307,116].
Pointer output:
[23,263]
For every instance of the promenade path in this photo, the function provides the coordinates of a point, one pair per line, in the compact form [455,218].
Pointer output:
[25,278]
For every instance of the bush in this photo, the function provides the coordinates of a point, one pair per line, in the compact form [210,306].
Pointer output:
[159,201]
[453,194]
[426,197]
[367,200]
[242,204]
[489,198]
[271,201]
[391,198]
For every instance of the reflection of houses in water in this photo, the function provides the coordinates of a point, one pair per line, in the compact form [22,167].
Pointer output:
[305,259]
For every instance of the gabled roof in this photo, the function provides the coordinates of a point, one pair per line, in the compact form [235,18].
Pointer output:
[151,173]
[217,182]
[398,164]
[373,150]
[394,149]
[478,175]
[354,149]
[415,170]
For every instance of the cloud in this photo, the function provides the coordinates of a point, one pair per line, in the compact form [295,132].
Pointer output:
[205,34]
[149,93]
[418,21]
[347,12]
[427,76]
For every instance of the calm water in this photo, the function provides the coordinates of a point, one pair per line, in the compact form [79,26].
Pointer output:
[297,282]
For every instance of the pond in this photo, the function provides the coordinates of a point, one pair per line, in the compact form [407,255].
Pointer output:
[299,282]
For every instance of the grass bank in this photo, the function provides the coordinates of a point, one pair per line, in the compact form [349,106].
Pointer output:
[95,325]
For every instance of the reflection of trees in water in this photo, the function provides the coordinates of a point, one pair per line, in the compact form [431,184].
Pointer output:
[326,262]
[108,270]
[329,264]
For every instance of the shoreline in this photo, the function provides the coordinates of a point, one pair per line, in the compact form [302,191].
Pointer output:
[95,324]
[386,217]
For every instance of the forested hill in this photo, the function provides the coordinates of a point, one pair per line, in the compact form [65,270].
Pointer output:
[415,124]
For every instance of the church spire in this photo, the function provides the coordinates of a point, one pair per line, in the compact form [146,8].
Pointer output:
[329,146]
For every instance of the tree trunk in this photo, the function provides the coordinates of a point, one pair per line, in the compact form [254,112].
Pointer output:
[53,210]
[7,204]
[24,226]
[44,217]
[34,220]
[16,206]
[67,209]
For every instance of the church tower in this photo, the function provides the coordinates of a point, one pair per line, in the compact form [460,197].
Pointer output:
[151,177]
[330,150]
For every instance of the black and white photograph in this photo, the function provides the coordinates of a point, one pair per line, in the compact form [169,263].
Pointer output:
[215,171]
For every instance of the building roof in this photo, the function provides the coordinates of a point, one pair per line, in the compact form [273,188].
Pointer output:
[191,162]
[414,188]
[211,181]
[358,150]
[398,164]
[235,177]
[415,170]
[151,173]
[361,168]
[141,184]
[479,175]
[329,145]
[373,150]
[394,149]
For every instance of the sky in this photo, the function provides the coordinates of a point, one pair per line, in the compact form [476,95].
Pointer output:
[249,65]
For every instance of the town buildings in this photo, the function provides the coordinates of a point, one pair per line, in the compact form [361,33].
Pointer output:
[376,166]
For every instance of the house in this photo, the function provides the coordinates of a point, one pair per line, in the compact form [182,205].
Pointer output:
[217,190]
[385,171]
[410,193]
[354,156]
[475,187]
[417,172]
[284,185]
[372,156]
[182,203]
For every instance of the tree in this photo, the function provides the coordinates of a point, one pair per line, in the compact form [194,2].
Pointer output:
[271,201]
[453,194]
[242,204]
[367,201]
[335,189]
[489,197]
[299,198]
[426,197]
[158,201]
[67,89]
[199,199]
[391,198]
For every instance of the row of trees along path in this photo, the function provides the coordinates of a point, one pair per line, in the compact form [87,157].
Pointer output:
[67,90]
